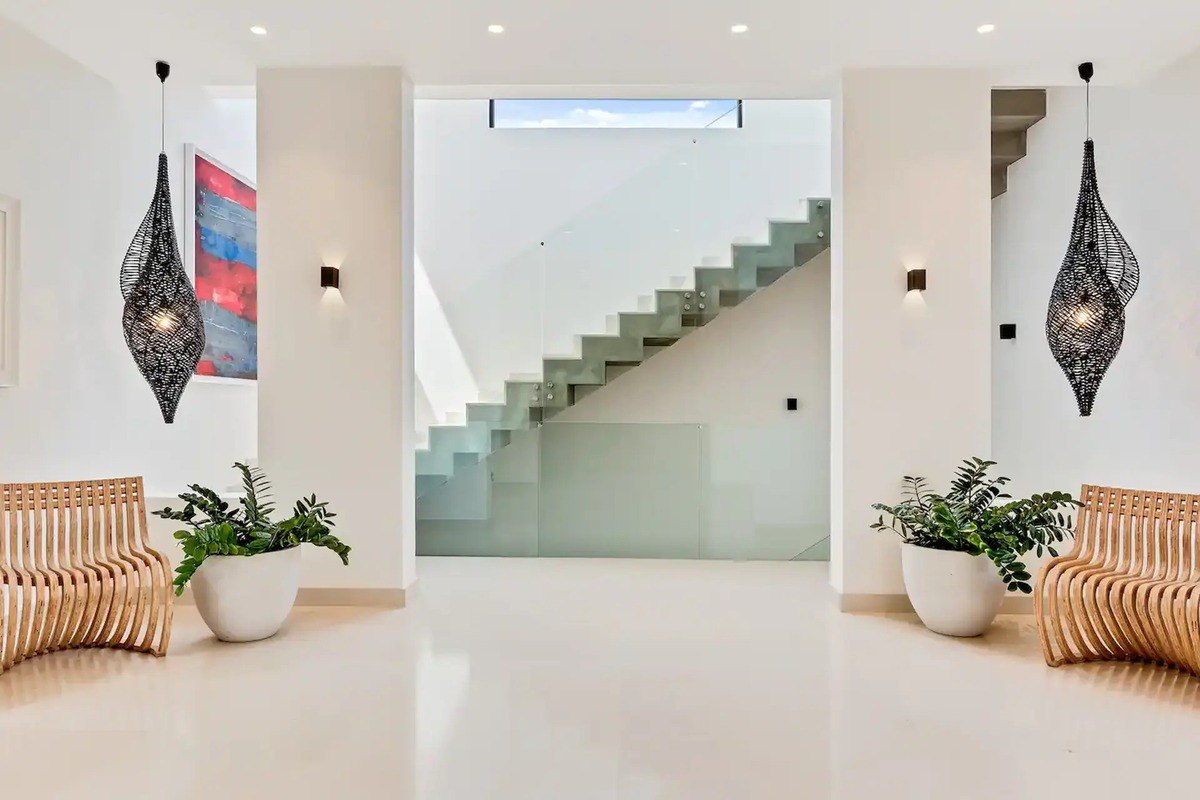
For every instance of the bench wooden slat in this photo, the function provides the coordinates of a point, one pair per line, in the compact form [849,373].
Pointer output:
[78,571]
[1129,590]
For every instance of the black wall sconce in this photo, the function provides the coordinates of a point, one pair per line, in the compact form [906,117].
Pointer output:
[1008,330]
[916,280]
[331,278]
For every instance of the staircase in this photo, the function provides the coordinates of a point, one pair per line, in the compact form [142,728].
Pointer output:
[636,338]
[1014,112]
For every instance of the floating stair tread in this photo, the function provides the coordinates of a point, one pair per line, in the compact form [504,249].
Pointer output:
[1017,109]
[1008,146]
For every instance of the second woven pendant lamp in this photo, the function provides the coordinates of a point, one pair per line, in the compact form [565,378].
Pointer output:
[1085,324]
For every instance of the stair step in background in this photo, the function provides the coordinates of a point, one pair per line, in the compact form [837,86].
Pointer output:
[612,372]
[634,337]
[1014,112]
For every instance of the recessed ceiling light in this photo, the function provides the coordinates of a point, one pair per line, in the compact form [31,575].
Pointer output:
[739,28]
[258,30]
[986,28]
[495,29]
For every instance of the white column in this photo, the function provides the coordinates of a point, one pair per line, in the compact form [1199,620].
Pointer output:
[911,372]
[335,384]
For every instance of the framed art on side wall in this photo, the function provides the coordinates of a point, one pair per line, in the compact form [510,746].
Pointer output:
[221,253]
[10,261]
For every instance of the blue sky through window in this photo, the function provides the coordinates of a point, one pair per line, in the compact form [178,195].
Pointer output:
[641,113]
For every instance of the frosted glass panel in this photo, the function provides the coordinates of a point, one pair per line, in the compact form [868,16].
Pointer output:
[488,508]
[620,490]
[766,491]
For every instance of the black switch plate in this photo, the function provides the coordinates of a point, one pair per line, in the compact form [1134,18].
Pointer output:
[1008,330]
[792,404]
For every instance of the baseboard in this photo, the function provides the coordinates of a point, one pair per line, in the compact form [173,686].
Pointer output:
[315,596]
[874,604]
[366,598]
[899,604]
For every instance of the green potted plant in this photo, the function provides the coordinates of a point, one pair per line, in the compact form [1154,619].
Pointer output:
[245,567]
[962,549]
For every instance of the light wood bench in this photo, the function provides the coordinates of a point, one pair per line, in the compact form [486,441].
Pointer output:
[1130,588]
[76,570]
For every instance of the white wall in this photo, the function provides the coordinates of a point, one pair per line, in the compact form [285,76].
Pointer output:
[335,412]
[1141,433]
[80,154]
[621,212]
[911,373]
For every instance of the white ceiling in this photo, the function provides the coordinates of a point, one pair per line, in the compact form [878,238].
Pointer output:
[793,46]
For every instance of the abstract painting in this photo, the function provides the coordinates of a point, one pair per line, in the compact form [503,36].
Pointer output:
[222,251]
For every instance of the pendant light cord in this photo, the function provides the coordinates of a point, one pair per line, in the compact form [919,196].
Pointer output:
[1087,124]
[163,70]
[1086,71]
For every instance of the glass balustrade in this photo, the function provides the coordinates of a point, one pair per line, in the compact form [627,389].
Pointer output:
[638,490]
[544,434]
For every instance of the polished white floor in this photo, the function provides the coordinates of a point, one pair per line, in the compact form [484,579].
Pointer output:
[571,680]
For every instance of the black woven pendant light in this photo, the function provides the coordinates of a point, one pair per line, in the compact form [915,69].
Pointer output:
[1086,321]
[162,322]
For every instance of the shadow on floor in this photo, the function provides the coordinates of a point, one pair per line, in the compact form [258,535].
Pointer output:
[1016,636]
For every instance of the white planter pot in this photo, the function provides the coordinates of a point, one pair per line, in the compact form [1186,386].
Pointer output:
[247,598]
[953,593]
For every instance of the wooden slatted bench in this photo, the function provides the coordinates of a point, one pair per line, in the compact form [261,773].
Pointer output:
[1130,588]
[76,570]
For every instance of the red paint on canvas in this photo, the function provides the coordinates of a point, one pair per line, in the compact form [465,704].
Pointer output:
[223,184]
[231,285]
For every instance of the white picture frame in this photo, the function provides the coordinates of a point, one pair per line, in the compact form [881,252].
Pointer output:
[10,268]
[190,151]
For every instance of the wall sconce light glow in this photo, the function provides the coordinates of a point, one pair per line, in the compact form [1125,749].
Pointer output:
[331,277]
[258,30]
[495,29]
[739,28]
[916,280]
[987,27]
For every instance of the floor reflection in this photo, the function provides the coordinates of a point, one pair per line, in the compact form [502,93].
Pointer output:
[598,679]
